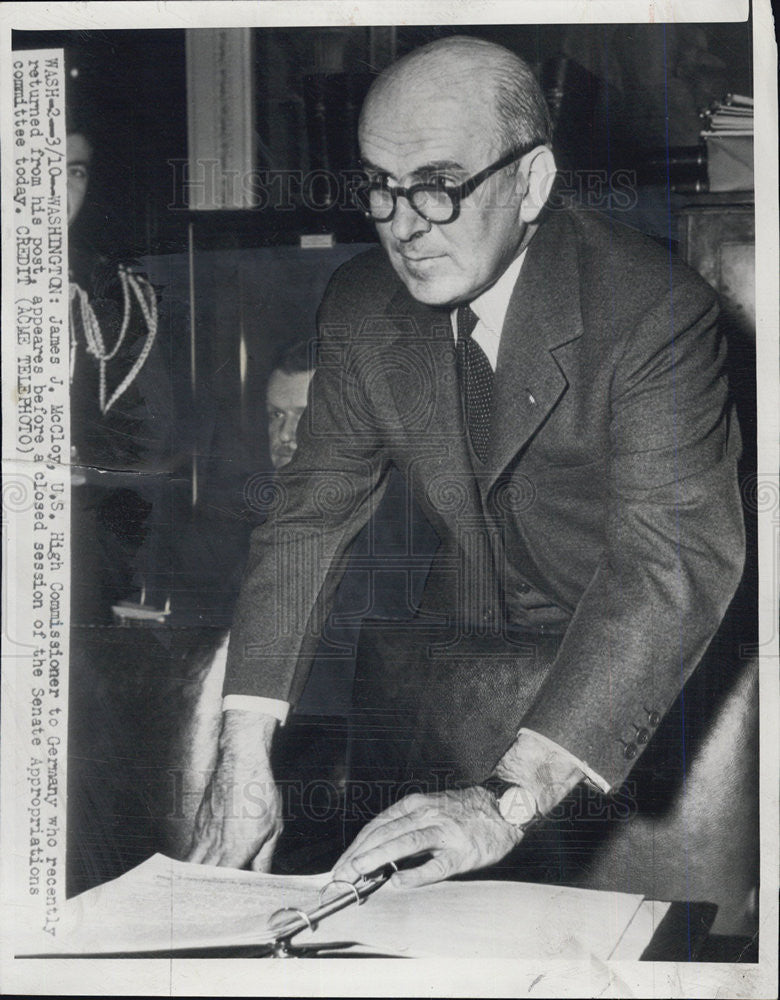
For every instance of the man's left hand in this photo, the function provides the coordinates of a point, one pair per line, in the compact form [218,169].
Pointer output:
[462,830]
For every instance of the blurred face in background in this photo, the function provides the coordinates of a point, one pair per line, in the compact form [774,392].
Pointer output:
[78,159]
[285,402]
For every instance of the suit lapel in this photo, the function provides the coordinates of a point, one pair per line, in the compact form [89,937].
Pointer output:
[543,314]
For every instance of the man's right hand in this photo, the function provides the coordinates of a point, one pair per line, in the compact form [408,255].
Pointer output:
[240,818]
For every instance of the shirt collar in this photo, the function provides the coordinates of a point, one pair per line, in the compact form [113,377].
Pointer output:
[491,306]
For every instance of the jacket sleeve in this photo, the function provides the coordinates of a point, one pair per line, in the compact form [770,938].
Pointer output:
[316,505]
[674,546]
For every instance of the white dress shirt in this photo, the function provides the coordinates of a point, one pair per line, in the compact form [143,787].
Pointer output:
[490,309]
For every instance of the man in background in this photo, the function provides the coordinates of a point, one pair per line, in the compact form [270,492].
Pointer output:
[119,401]
[285,401]
[79,159]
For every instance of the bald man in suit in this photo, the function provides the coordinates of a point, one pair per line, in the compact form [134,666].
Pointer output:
[551,385]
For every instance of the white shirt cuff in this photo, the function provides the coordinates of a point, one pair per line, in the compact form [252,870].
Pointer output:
[253,703]
[593,777]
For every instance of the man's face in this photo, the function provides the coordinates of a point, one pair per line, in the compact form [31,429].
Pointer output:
[285,401]
[443,129]
[78,158]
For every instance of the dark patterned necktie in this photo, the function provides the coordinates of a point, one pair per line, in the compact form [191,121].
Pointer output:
[476,381]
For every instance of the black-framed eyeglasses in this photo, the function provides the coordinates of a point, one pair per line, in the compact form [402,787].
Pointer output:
[436,201]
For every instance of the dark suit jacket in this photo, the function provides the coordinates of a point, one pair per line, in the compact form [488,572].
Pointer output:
[609,504]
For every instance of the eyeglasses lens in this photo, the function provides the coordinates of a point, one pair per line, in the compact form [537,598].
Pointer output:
[433,203]
[378,201]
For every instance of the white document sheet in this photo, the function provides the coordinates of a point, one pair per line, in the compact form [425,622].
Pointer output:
[165,904]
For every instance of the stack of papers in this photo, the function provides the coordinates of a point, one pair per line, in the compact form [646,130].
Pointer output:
[734,114]
[166,905]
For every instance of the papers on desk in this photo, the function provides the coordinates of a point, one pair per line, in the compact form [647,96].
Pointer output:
[733,113]
[166,905]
